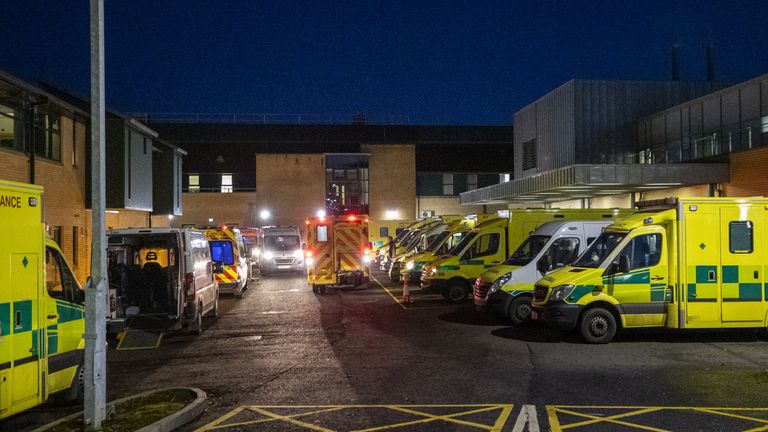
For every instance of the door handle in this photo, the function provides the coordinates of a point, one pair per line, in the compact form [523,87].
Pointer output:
[53,316]
[692,294]
[657,278]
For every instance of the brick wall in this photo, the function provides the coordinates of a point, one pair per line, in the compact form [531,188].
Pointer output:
[223,208]
[392,179]
[291,186]
[64,193]
[749,174]
[450,205]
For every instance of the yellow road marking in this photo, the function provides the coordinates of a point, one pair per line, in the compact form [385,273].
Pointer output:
[290,420]
[271,419]
[432,417]
[265,410]
[221,419]
[556,427]
[389,292]
[711,411]
[612,417]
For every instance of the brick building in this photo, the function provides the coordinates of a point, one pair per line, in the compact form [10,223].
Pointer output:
[235,170]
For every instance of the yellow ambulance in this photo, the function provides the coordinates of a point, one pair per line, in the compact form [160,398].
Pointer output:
[379,232]
[42,317]
[337,252]
[680,263]
[489,244]
[440,246]
[228,248]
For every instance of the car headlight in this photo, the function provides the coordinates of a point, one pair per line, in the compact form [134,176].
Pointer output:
[268,255]
[298,253]
[500,282]
[310,261]
[256,251]
[561,292]
[409,265]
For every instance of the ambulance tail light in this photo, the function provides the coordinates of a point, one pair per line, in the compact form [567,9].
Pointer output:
[308,253]
[189,287]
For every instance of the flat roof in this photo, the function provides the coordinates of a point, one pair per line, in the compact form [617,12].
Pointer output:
[589,181]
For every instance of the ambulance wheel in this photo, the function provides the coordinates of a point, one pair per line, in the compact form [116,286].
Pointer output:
[196,327]
[456,292]
[597,326]
[519,310]
[321,289]
[315,289]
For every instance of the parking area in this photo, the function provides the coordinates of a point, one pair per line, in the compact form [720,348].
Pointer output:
[285,359]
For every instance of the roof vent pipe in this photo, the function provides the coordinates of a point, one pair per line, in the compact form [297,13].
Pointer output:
[676,62]
[710,63]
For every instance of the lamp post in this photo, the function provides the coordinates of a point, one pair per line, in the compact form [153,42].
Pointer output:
[95,380]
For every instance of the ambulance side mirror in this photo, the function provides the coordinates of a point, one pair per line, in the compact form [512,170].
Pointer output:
[544,264]
[620,265]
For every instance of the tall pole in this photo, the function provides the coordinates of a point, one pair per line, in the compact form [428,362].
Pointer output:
[95,293]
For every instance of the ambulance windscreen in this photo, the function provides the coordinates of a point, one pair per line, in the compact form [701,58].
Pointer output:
[282,243]
[221,251]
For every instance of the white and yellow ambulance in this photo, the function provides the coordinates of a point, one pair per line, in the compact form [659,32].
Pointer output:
[337,252]
[42,317]
[681,263]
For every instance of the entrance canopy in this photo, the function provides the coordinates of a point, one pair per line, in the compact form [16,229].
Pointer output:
[589,181]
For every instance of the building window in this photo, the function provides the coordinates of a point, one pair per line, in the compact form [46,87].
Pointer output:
[226,183]
[504,177]
[447,184]
[75,246]
[57,235]
[471,181]
[194,183]
[8,119]
[740,237]
[529,154]
[48,135]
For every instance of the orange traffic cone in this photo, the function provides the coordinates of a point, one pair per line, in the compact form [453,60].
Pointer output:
[406,291]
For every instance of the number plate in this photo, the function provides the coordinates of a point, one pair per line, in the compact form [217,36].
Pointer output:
[283,267]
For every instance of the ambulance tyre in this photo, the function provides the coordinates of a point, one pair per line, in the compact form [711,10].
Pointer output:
[215,311]
[519,310]
[315,289]
[321,289]
[456,292]
[597,326]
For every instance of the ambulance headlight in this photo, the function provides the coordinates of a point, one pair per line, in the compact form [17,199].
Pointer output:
[500,282]
[559,293]
[268,255]
[255,251]
[409,265]
[433,271]
[298,253]
[310,261]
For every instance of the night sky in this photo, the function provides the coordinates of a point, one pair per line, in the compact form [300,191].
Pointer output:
[440,62]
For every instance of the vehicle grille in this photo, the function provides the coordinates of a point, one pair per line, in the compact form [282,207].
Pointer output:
[539,293]
[284,261]
[481,290]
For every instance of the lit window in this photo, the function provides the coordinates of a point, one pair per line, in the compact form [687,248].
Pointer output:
[504,177]
[226,183]
[194,183]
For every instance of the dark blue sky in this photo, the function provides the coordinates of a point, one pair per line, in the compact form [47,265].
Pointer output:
[440,62]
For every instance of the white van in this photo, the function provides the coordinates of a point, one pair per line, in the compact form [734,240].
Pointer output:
[161,273]
[506,290]
[281,249]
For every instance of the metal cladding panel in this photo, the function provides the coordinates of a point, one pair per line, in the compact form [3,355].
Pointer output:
[138,161]
[750,101]
[166,182]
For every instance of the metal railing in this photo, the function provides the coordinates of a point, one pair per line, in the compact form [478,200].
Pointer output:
[267,118]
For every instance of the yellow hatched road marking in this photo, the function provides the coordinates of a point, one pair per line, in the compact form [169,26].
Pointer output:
[272,418]
[267,410]
[553,410]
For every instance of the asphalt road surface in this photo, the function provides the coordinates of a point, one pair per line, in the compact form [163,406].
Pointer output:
[285,359]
